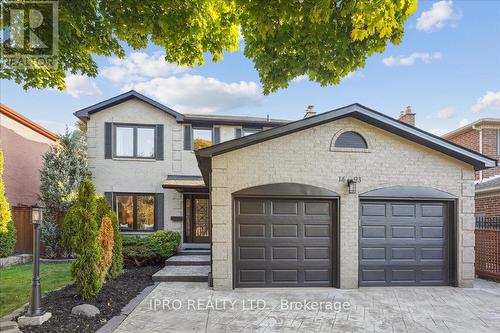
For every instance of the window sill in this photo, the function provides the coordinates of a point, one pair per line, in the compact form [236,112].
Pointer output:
[134,159]
[136,232]
[351,150]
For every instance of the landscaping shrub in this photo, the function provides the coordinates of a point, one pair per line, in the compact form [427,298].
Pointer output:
[7,229]
[105,210]
[8,240]
[150,250]
[81,233]
[106,242]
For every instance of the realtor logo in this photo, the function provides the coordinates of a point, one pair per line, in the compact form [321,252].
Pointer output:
[29,33]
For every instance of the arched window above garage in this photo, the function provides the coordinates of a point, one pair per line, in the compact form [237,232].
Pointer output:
[350,139]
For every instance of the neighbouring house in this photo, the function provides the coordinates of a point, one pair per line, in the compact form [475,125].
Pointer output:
[23,142]
[483,136]
[344,198]
[141,156]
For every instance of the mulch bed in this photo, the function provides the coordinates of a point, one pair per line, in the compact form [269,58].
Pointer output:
[113,297]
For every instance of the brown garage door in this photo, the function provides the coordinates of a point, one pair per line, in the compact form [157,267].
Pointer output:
[403,244]
[284,242]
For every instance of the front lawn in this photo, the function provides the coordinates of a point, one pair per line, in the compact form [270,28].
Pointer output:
[15,283]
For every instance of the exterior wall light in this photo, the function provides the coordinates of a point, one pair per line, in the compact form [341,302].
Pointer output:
[351,184]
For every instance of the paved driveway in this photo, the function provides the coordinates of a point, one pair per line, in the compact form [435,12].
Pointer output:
[193,307]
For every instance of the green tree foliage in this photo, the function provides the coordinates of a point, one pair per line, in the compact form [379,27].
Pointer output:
[7,229]
[64,167]
[105,210]
[324,39]
[80,231]
[106,243]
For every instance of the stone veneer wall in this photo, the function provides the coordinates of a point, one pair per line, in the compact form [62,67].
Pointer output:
[305,157]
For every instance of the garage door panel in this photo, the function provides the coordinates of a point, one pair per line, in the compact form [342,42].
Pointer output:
[291,243]
[373,210]
[412,251]
[251,207]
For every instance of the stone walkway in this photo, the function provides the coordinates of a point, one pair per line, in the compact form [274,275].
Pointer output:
[193,307]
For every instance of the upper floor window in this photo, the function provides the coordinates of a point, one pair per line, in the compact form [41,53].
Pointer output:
[351,139]
[134,141]
[202,137]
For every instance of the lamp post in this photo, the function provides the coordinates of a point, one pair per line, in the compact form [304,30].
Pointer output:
[35,308]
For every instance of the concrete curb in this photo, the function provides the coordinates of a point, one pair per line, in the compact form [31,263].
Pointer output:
[114,322]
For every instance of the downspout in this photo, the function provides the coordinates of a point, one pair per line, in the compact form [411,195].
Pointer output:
[480,147]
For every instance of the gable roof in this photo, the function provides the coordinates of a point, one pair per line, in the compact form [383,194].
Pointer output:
[359,112]
[85,112]
[4,109]
[484,122]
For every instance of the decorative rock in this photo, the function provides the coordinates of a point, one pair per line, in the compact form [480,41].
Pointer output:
[87,310]
[33,321]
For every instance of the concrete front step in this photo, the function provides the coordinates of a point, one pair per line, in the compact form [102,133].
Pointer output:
[195,246]
[193,252]
[182,274]
[188,260]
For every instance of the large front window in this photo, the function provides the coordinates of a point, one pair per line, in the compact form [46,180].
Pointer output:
[136,212]
[134,141]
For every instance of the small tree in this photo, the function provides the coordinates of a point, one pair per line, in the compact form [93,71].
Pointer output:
[64,167]
[81,233]
[104,210]
[7,229]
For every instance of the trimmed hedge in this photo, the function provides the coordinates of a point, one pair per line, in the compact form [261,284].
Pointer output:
[150,250]
[8,240]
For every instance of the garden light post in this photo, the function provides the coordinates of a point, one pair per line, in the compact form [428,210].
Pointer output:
[35,308]
[35,315]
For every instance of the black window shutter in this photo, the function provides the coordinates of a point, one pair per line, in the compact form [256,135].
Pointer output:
[188,137]
[109,197]
[159,197]
[108,140]
[237,132]
[159,142]
[216,135]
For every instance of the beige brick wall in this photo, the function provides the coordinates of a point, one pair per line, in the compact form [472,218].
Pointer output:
[305,157]
[135,175]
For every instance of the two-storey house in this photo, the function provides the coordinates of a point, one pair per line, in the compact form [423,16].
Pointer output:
[141,156]
[483,136]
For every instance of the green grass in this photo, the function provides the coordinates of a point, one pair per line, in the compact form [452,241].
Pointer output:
[15,283]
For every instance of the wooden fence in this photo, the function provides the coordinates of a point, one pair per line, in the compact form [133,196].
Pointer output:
[24,229]
[488,247]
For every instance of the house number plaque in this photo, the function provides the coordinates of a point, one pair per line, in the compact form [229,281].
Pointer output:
[343,179]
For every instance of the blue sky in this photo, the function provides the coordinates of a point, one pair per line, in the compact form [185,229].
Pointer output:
[447,68]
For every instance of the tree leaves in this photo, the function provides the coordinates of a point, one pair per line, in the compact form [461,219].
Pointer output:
[324,39]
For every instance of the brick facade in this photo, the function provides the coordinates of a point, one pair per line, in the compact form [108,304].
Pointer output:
[306,157]
[488,204]
[490,136]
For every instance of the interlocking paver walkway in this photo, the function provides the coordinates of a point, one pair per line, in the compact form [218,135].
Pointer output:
[191,307]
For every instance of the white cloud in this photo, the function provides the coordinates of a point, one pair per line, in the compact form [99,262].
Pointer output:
[80,85]
[439,131]
[463,122]
[199,94]
[55,126]
[446,113]
[490,100]
[139,66]
[300,78]
[401,60]
[438,16]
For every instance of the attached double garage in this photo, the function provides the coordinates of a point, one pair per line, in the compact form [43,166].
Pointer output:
[345,199]
[293,239]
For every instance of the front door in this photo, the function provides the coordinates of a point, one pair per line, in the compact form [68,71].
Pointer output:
[197,218]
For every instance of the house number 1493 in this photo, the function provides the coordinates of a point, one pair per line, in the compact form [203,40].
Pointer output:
[343,179]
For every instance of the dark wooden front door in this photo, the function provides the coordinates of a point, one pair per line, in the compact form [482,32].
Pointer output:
[197,218]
